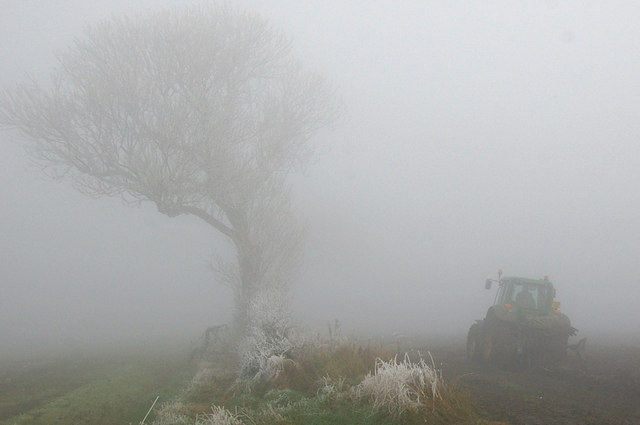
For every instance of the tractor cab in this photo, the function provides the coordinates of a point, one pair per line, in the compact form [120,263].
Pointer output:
[530,297]
[524,322]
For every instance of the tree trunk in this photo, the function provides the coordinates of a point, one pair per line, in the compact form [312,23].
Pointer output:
[248,284]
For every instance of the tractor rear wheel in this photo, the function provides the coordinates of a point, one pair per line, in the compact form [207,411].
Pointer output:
[487,352]
[473,342]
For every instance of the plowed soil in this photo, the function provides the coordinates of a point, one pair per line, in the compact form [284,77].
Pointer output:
[603,389]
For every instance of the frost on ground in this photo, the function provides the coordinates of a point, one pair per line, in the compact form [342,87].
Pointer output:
[401,386]
[173,413]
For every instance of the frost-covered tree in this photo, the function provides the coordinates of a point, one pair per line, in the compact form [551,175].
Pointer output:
[202,111]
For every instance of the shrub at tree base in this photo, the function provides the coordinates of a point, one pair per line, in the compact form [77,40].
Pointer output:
[292,376]
[270,336]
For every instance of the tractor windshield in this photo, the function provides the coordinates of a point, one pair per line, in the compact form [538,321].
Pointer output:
[525,296]
[530,297]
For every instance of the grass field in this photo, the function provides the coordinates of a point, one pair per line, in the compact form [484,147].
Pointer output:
[316,386]
[90,388]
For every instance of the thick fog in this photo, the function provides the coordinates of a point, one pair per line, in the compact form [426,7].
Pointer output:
[476,136]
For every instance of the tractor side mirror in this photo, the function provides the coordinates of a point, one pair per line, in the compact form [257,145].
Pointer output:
[487,284]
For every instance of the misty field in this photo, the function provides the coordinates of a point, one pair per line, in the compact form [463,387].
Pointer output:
[323,385]
[334,383]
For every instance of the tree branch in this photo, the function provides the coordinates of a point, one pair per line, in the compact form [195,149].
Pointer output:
[209,219]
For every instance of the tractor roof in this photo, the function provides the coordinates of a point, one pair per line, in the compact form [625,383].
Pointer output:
[528,281]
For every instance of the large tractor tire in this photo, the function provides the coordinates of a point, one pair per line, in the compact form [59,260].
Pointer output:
[499,340]
[525,342]
[488,349]
[474,343]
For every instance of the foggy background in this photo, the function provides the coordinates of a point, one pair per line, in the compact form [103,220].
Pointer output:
[477,136]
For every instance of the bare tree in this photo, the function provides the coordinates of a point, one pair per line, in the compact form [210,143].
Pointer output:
[202,111]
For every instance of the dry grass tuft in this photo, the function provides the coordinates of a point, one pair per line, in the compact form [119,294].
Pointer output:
[218,416]
[348,360]
[401,386]
[173,413]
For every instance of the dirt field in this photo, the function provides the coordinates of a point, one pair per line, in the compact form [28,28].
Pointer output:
[605,389]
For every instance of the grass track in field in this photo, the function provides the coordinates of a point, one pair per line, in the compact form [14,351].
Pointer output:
[96,390]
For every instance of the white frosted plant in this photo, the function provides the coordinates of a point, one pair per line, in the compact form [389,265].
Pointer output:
[331,387]
[173,413]
[270,336]
[401,386]
[218,416]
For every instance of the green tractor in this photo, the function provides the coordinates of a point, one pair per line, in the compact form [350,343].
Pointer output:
[524,325]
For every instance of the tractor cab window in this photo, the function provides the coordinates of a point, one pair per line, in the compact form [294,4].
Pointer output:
[525,296]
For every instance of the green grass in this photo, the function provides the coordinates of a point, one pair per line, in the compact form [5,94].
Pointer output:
[288,407]
[117,389]
[28,385]
[96,389]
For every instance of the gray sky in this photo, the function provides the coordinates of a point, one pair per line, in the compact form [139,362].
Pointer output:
[478,136]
